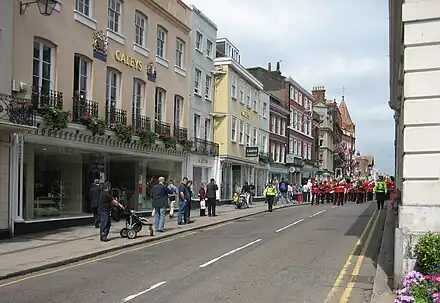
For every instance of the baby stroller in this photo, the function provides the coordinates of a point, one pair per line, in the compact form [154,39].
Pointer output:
[134,224]
[242,201]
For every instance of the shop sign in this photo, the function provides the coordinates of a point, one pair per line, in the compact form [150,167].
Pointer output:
[291,169]
[128,60]
[251,151]
[290,158]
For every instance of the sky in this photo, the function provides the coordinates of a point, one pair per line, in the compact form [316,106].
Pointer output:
[339,44]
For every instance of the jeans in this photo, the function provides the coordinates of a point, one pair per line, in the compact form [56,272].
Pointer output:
[284,197]
[159,213]
[182,211]
[106,223]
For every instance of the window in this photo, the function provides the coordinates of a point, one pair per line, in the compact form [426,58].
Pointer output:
[283,128]
[83,6]
[304,153]
[114,15]
[300,98]
[254,137]
[309,152]
[241,132]
[208,48]
[161,42]
[207,129]
[248,135]
[241,91]
[292,93]
[180,47]
[43,71]
[248,96]
[196,125]
[295,147]
[264,143]
[208,87]
[321,142]
[310,127]
[113,88]
[296,95]
[264,110]
[140,24]
[277,153]
[233,129]
[255,101]
[282,153]
[234,86]
[197,80]
[272,124]
[81,76]
[298,148]
[199,41]
[291,119]
[159,104]
[138,96]
[178,104]
[278,126]
[291,146]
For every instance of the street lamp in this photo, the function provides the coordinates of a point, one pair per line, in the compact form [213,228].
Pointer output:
[45,7]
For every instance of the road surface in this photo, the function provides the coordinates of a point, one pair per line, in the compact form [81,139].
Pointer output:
[299,254]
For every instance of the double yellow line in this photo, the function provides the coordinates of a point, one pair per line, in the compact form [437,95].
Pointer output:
[360,243]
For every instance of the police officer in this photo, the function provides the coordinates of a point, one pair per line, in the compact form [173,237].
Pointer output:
[270,192]
[381,190]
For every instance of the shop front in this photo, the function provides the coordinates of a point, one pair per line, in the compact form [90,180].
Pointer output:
[200,169]
[54,180]
[278,172]
[308,172]
[261,179]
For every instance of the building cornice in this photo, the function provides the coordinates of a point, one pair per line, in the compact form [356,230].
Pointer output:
[239,69]
[297,85]
[205,18]
[161,11]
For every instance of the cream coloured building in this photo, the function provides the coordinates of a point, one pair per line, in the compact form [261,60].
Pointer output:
[123,61]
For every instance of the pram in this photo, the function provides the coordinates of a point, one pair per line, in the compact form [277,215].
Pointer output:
[134,224]
[242,201]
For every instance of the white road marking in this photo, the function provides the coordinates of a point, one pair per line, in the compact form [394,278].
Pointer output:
[319,212]
[229,253]
[290,225]
[143,292]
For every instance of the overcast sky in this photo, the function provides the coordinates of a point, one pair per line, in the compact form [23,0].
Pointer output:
[338,44]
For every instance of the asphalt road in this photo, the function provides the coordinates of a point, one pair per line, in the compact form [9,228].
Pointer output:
[290,255]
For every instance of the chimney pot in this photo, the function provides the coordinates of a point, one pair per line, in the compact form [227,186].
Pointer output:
[278,66]
[269,66]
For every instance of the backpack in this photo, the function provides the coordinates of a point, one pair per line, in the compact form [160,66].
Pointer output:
[283,186]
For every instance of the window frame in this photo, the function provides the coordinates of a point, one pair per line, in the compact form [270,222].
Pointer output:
[234,129]
[81,60]
[199,44]
[180,53]
[197,81]
[159,103]
[208,87]
[161,41]
[209,48]
[41,61]
[241,132]
[89,5]
[138,83]
[143,28]
[196,130]
[109,88]
[117,16]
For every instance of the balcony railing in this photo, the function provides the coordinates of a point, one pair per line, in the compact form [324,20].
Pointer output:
[162,128]
[115,115]
[180,133]
[16,110]
[140,123]
[42,98]
[205,147]
[83,107]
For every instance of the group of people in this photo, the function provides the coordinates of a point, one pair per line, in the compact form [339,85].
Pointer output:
[337,191]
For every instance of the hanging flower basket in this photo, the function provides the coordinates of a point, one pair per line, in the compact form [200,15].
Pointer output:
[123,132]
[146,137]
[95,124]
[169,141]
[55,118]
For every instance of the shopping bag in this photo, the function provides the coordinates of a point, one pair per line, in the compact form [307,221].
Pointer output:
[202,204]
[153,212]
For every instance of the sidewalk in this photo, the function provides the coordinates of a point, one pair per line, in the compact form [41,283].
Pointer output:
[23,255]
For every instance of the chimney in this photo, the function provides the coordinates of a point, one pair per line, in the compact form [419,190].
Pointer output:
[278,66]
[318,93]
[269,66]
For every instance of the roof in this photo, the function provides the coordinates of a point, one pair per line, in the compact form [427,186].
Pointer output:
[345,114]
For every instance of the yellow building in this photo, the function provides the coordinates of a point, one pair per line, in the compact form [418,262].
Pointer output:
[236,129]
[126,62]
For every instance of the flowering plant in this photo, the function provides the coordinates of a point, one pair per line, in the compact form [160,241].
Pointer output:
[419,288]
[168,140]
[55,118]
[146,137]
[96,125]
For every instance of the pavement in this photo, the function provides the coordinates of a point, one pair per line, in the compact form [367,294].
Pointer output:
[296,254]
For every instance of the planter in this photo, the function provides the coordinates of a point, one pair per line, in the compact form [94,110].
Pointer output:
[187,145]
[169,141]
[55,118]
[96,125]
[146,137]
[123,132]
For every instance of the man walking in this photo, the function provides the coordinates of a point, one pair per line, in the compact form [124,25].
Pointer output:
[105,203]
[381,190]
[284,186]
[211,195]
[159,194]
[94,198]
[184,197]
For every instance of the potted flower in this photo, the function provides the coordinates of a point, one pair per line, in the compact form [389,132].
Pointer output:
[55,118]
[123,132]
[187,145]
[168,140]
[96,125]
[146,137]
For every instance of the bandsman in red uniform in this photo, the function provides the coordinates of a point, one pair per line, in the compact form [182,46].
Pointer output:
[347,190]
[315,193]
[370,190]
[364,190]
[359,191]
[339,193]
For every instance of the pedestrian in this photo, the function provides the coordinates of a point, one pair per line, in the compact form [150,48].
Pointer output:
[105,203]
[202,196]
[211,196]
[160,196]
[172,197]
[283,186]
[184,196]
[270,192]
[381,190]
[187,218]
[95,190]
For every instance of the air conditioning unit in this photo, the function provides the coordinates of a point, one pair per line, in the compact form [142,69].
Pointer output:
[17,86]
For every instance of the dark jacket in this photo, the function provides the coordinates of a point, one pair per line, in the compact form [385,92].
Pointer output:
[159,194]
[94,195]
[211,189]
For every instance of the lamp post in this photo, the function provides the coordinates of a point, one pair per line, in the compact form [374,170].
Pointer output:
[45,7]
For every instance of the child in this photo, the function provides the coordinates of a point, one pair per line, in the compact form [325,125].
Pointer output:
[235,200]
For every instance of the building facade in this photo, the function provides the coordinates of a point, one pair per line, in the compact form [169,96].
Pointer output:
[325,140]
[100,105]
[203,46]
[236,124]
[348,126]
[414,74]
[262,170]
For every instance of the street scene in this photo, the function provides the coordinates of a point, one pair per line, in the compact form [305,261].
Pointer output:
[294,252]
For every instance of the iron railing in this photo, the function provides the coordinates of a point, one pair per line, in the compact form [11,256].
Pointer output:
[206,147]
[42,98]
[162,128]
[17,110]
[83,107]
[140,123]
[180,133]
[115,115]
